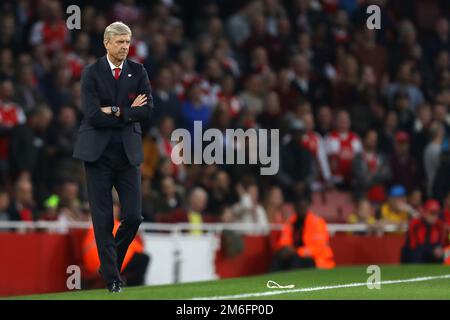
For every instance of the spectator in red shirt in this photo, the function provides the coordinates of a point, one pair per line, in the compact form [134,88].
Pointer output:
[425,237]
[51,30]
[11,115]
[342,146]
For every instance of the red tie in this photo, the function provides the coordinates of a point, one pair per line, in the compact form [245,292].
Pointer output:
[116,73]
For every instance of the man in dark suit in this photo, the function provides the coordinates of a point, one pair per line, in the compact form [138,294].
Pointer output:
[109,142]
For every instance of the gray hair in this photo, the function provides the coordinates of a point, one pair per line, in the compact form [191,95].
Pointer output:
[116,29]
[197,192]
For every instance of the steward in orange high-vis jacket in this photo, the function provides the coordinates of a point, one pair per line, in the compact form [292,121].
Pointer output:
[134,264]
[304,241]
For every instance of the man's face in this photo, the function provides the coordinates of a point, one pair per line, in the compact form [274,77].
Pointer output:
[24,193]
[401,148]
[447,201]
[198,201]
[254,194]
[325,117]
[432,217]
[222,182]
[168,187]
[4,201]
[7,90]
[397,203]
[343,122]
[165,79]
[405,73]
[308,121]
[70,191]
[118,46]
[67,117]
[371,140]
[44,121]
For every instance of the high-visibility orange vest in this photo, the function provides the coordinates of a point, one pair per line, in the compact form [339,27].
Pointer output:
[316,240]
[90,255]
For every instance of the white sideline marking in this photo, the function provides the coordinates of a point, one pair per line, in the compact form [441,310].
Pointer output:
[339,286]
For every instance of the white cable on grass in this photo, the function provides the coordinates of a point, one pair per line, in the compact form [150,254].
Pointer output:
[273,285]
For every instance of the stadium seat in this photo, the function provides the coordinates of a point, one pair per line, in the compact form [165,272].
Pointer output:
[333,206]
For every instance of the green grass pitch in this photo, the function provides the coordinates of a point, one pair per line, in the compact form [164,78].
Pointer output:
[397,282]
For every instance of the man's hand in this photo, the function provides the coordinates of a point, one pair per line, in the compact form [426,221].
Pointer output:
[438,252]
[139,101]
[106,110]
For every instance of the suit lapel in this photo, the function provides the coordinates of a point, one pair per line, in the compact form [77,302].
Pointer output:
[107,77]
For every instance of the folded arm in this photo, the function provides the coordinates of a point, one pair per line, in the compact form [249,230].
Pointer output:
[90,103]
[143,112]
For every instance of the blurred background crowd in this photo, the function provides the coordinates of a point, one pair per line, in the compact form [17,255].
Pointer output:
[362,113]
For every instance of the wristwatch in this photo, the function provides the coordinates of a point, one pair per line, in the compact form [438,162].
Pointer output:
[114,109]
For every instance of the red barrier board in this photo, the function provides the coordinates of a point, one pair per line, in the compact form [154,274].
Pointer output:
[37,262]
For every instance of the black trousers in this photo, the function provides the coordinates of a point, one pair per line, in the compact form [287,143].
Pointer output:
[113,169]
[422,254]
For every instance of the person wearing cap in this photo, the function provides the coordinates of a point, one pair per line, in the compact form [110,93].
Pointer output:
[396,209]
[425,237]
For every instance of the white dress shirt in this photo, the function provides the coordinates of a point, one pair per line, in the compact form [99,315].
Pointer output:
[112,66]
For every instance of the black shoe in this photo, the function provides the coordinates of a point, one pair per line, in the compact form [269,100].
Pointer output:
[115,287]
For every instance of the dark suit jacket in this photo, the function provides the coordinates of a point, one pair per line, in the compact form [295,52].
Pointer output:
[99,88]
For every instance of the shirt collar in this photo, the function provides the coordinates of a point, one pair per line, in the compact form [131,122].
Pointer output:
[112,66]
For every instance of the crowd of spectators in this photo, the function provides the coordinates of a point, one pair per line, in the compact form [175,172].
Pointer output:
[360,110]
